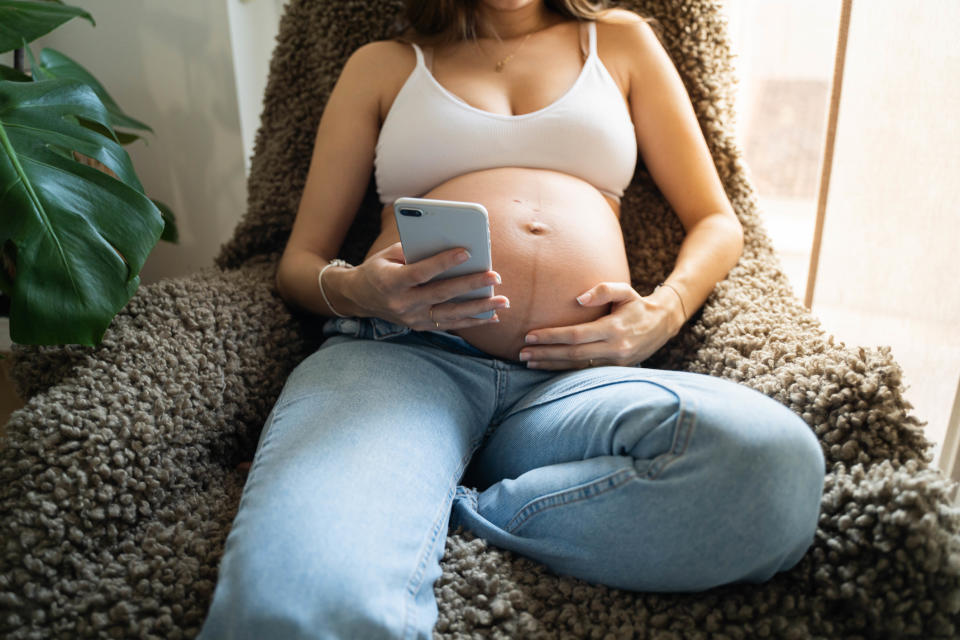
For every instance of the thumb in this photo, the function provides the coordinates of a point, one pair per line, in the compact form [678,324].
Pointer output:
[393,253]
[605,293]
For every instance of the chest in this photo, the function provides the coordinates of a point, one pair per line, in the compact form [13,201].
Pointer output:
[524,85]
[532,76]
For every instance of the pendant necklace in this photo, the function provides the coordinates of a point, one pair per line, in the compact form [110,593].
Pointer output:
[499,66]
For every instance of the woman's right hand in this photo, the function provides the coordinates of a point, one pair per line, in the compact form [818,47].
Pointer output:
[385,287]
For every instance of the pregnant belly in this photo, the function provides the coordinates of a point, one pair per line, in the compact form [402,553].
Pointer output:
[552,237]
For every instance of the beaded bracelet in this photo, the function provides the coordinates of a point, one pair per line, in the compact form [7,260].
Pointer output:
[336,262]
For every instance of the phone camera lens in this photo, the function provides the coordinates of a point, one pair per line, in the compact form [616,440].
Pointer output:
[413,213]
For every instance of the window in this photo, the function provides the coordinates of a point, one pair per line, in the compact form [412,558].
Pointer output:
[884,272]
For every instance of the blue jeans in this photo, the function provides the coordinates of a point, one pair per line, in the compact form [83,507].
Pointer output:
[635,478]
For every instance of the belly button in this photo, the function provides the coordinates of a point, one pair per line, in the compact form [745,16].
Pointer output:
[537,228]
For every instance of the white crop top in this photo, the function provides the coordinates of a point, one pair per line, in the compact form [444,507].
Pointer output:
[430,135]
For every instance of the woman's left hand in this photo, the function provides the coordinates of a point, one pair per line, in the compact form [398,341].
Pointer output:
[635,329]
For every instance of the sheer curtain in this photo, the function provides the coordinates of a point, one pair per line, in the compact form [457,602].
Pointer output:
[884,274]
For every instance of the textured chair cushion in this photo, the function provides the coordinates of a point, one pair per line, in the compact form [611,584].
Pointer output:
[117,480]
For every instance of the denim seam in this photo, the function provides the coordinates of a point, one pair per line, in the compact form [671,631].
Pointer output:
[415,582]
[683,432]
[591,383]
[501,393]
[563,498]
[252,474]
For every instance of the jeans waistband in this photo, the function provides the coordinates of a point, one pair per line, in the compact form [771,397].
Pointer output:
[380,329]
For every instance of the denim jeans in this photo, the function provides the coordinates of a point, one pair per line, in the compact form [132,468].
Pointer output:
[635,478]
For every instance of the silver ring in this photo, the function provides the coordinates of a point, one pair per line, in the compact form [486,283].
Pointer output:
[590,362]
[432,319]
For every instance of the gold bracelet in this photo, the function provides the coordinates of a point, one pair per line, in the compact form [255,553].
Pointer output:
[336,262]
[682,307]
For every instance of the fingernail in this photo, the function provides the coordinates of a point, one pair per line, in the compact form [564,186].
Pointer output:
[584,299]
[530,339]
[524,356]
[499,281]
[495,318]
[504,305]
[463,256]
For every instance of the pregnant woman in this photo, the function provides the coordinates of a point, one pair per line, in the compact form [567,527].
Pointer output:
[535,429]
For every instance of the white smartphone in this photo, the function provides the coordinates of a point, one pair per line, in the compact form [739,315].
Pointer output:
[428,227]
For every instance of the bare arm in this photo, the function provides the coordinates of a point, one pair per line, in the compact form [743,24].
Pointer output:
[676,154]
[339,173]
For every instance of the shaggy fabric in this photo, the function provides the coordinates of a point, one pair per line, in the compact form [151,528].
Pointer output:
[118,481]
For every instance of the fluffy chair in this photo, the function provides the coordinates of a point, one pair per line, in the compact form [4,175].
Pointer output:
[118,481]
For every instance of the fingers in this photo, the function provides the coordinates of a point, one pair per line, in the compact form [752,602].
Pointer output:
[607,292]
[577,346]
[567,356]
[464,323]
[563,365]
[393,253]
[458,315]
[570,335]
[422,271]
[443,290]
[612,351]
[417,276]
[403,292]
[573,347]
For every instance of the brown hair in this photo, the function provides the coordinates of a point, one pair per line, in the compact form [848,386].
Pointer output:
[434,22]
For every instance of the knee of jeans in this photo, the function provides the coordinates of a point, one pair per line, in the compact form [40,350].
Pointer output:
[777,468]
[270,598]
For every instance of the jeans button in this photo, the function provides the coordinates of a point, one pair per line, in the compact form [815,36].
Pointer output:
[348,326]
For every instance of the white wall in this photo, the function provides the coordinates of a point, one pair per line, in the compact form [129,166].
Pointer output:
[169,64]
[253,30]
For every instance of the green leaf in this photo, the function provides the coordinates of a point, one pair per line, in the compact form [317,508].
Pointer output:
[29,19]
[81,236]
[170,233]
[54,64]
[126,138]
[9,73]
[123,137]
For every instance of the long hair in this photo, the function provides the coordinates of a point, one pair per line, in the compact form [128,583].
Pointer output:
[435,22]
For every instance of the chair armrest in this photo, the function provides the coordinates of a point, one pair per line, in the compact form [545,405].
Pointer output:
[753,330]
[216,346]
[117,480]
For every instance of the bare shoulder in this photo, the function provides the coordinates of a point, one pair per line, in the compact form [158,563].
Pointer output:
[381,56]
[625,29]
[620,16]
[628,45]
[379,69]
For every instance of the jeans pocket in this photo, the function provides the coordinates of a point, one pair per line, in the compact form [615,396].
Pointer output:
[383,329]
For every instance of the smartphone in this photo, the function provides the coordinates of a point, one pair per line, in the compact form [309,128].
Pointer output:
[428,227]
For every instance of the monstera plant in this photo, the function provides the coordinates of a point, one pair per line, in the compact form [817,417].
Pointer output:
[75,223]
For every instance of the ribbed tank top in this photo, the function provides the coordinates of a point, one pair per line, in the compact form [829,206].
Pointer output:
[430,135]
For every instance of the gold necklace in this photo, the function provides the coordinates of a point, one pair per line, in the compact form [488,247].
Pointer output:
[499,66]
